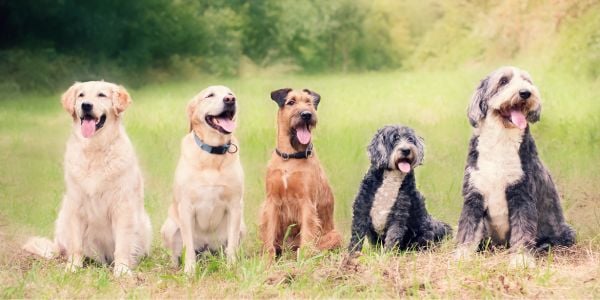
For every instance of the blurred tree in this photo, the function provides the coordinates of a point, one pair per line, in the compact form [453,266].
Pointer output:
[259,32]
[220,23]
[43,42]
[134,33]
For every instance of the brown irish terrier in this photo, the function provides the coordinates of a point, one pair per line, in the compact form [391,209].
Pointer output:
[298,210]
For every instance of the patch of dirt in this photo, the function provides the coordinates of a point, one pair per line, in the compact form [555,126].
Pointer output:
[282,277]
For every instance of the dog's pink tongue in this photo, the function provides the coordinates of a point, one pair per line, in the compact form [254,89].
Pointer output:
[518,118]
[226,123]
[404,167]
[88,127]
[303,135]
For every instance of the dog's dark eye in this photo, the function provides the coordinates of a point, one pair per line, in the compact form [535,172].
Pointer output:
[410,139]
[101,95]
[395,138]
[503,81]
[80,95]
[210,95]
[291,102]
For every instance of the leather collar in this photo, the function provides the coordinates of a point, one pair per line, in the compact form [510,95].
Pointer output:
[219,150]
[298,155]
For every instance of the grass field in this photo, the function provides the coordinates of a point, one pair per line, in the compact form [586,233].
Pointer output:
[34,128]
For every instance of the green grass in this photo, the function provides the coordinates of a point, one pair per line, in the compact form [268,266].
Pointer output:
[33,131]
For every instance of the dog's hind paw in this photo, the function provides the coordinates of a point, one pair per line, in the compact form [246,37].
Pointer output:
[329,241]
[522,260]
[121,270]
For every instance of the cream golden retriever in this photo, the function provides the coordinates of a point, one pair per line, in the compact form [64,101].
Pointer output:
[102,216]
[207,209]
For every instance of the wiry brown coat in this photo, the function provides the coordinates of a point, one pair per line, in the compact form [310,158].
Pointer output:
[298,193]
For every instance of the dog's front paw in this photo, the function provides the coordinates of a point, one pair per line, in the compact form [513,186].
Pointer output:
[231,257]
[74,263]
[269,255]
[354,254]
[522,260]
[121,270]
[190,268]
[463,254]
[306,251]
[72,267]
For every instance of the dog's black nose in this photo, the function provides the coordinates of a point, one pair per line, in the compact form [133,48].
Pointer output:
[86,107]
[306,115]
[405,151]
[229,100]
[524,94]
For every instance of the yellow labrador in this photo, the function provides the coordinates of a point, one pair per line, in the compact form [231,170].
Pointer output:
[207,209]
[102,216]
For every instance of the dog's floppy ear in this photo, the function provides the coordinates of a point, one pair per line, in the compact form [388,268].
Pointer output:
[121,99]
[68,98]
[377,151]
[191,109]
[478,107]
[420,143]
[534,115]
[279,96]
[316,97]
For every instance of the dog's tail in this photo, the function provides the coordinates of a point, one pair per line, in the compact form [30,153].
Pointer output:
[42,247]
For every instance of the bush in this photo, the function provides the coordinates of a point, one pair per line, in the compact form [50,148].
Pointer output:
[579,43]
[45,44]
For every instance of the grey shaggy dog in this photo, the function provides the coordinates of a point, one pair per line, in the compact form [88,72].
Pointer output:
[389,209]
[509,196]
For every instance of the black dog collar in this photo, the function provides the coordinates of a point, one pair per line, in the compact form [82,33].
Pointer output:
[298,155]
[220,150]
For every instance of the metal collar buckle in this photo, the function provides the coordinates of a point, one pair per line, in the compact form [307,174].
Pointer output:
[232,145]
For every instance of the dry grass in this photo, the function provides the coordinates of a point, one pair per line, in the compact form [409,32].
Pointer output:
[33,130]
[572,273]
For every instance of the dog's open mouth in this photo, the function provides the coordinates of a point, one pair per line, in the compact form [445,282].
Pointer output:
[513,116]
[302,133]
[223,122]
[404,165]
[91,124]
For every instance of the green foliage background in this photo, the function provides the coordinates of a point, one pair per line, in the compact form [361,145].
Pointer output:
[46,44]
[377,62]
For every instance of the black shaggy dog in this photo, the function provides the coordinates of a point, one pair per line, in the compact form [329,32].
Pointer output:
[388,208]
[509,196]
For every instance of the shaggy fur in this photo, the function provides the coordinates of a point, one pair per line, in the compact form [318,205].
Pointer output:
[509,195]
[388,208]
[207,209]
[102,216]
[299,198]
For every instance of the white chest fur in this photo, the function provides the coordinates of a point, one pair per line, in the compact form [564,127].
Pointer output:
[384,199]
[498,166]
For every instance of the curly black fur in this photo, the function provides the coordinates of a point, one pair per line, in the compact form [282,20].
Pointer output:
[408,225]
